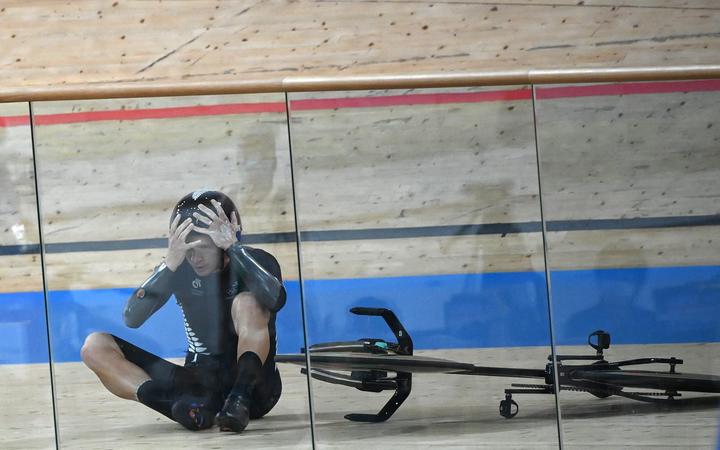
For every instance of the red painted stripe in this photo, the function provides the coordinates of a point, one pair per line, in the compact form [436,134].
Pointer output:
[544,93]
[160,113]
[14,121]
[141,114]
[597,90]
[411,99]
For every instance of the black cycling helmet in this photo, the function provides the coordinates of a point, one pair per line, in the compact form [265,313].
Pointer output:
[189,205]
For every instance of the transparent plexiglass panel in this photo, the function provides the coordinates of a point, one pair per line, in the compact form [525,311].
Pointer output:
[424,203]
[110,174]
[630,177]
[26,407]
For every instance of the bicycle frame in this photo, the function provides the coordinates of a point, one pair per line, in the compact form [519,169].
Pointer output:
[368,362]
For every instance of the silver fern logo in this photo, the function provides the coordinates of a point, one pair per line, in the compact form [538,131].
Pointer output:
[194,344]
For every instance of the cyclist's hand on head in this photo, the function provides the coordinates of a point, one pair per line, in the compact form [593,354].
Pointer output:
[177,245]
[220,229]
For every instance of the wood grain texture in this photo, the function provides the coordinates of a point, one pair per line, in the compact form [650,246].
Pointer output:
[20,273]
[122,46]
[112,180]
[603,249]
[26,407]
[586,423]
[322,260]
[443,410]
[610,157]
[90,417]
[396,166]
[415,165]
[129,268]
[575,250]
[422,256]
[18,209]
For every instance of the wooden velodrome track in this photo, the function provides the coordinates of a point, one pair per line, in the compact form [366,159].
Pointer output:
[252,164]
[111,48]
[602,157]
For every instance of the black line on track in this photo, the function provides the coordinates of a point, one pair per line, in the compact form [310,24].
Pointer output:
[387,233]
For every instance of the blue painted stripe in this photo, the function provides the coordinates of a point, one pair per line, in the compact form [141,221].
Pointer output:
[638,306]
[23,336]
[654,305]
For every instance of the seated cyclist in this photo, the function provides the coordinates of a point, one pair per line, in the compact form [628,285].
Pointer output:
[229,295]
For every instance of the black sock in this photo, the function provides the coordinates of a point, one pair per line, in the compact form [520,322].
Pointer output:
[156,396]
[249,370]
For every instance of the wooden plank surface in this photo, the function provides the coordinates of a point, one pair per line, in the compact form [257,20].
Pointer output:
[394,257]
[615,156]
[697,246]
[129,268]
[131,43]
[322,260]
[91,44]
[615,423]
[21,273]
[378,167]
[26,407]
[443,410]
[110,180]
[396,163]
[91,417]
[18,208]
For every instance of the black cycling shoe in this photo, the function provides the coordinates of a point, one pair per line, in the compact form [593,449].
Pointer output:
[193,414]
[235,414]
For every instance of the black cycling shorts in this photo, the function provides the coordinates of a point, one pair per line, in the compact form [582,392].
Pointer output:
[207,377]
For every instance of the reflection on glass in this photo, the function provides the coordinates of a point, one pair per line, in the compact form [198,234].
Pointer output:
[26,408]
[424,203]
[199,189]
[630,193]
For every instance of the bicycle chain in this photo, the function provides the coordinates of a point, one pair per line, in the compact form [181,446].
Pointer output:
[645,394]
[580,389]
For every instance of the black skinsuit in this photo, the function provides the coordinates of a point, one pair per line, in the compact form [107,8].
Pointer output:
[210,361]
